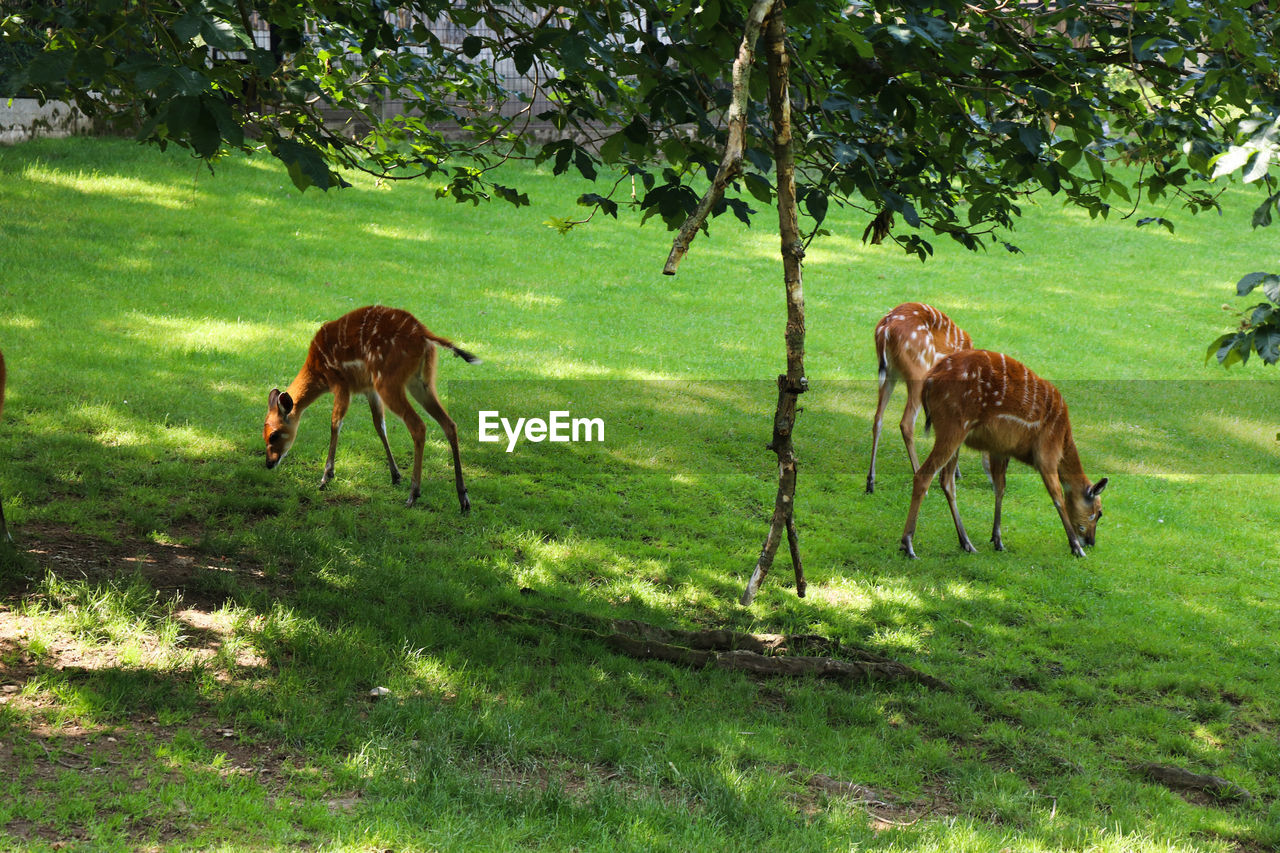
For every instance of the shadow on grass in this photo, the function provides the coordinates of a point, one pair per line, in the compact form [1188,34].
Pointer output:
[138,427]
[659,522]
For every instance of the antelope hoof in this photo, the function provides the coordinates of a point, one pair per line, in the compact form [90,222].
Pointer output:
[324,481]
[997,543]
[465,503]
[1077,549]
[966,545]
[905,547]
[395,478]
[413,497]
[871,485]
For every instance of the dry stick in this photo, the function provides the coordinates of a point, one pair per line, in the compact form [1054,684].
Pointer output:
[731,163]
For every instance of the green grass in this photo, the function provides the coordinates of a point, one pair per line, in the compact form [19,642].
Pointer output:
[193,636]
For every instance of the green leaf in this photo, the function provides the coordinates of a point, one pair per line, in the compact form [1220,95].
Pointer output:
[1229,161]
[586,166]
[1258,166]
[512,195]
[220,34]
[523,55]
[307,166]
[206,138]
[759,187]
[1218,347]
[1270,283]
[608,205]
[1096,166]
[1032,139]
[815,203]
[1158,220]
[1262,214]
[844,153]
[564,226]
[611,150]
[188,26]
[1070,156]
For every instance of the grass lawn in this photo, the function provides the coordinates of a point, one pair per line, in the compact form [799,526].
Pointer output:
[188,640]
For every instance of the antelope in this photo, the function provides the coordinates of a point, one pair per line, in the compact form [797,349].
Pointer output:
[4,529]
[909,340]
[381,353]
[993,403]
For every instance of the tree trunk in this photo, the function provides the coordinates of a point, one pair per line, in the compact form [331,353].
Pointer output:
[793,382]
[769,15]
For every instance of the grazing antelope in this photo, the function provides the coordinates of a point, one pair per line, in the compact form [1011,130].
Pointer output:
[909,340]
[993,403]
[4,529]
[381,353]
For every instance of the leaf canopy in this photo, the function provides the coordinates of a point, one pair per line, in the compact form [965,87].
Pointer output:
[945,114]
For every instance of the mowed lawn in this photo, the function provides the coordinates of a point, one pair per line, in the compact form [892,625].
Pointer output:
[188,640]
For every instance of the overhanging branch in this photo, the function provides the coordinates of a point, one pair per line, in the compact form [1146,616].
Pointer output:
[731,163]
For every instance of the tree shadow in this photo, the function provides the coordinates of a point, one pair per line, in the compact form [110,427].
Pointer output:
[344,590]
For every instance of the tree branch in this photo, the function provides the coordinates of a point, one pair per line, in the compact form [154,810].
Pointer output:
[731,163]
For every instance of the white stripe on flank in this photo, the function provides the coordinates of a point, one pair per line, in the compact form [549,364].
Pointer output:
[1026,423]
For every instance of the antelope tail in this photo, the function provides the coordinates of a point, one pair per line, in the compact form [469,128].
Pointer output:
[469,358]
[924,404]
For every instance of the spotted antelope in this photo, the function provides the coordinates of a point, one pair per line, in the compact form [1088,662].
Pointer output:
[909,340]
[385,354]
[994,403]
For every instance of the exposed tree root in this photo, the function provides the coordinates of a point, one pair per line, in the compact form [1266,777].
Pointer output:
[759,654]
[1177,777]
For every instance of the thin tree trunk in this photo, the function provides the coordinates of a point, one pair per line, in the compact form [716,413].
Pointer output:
[793,382]
[767,14]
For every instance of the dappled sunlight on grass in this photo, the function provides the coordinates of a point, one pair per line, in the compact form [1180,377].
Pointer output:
[139,426]
[114,425]
[156,193]
[525,299]
[390,232]
[1263,434]
[20,321]
[188,334]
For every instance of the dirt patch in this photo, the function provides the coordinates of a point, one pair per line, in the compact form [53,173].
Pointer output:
[201,579]
[49,742]
[885,809]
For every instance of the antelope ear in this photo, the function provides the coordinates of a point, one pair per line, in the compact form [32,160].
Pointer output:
[272,398]
[283,403]
[1096,489]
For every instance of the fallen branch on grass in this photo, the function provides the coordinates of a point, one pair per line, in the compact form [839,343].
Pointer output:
[1177,777]
[757,654]
[733,650]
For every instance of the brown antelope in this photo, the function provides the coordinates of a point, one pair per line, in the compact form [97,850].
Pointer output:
[381,353]
[993,403]
[4,529]
[909,340]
